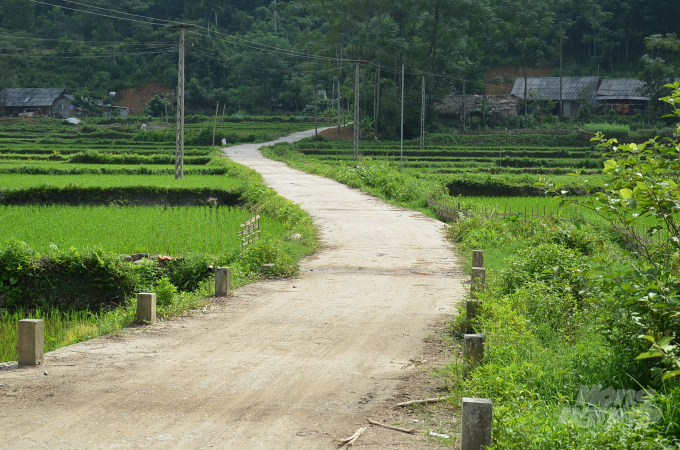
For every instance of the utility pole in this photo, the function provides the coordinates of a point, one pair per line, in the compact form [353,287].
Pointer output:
[464,104]
[401,159]
[561,102]
[217,111]
[356,113]
[4,92]
[179,148]
[377,80]
[422,119]
[276,24]
[365,88]
[339,96]
[114,44]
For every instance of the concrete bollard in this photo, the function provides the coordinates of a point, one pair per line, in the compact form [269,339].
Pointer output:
[476,419]
[471,308]
[473,349]
[478,281]
[31,342]
[477,258]
[146,307]
[222,281]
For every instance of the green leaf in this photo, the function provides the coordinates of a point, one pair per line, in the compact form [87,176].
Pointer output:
[609,166]
[649,355]
[626,193]
[13,280]
[671,374]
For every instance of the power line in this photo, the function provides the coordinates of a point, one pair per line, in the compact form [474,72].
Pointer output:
[88,56]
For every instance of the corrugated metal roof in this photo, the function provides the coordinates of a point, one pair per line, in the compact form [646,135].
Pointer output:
[621,89]
[30,97]
[548,88]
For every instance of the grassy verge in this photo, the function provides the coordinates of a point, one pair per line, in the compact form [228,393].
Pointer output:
[558,376]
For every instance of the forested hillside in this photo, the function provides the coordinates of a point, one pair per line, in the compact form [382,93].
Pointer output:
[258,56]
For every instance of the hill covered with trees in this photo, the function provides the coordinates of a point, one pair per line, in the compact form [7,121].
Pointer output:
[261,56]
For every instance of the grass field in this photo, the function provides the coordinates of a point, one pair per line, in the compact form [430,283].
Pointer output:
[127,230]
[62,263]
[19,181]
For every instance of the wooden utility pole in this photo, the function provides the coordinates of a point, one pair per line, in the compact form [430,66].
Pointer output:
[4,91]
[276,19]
[465,105]
[422,119]
[217,110]
[363,75]
[377,105]
[179,148]
[339,96]
[356,113]
[401,158]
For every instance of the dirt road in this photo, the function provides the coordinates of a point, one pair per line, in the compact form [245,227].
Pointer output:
[285,364]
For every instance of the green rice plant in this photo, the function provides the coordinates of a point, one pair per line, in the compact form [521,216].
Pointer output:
[20,181]
[176,231]
[612,130]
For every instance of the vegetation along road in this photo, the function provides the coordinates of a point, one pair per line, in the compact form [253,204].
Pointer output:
[283,364]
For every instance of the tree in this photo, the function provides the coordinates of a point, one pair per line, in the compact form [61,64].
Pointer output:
[642,185]
[17,14]
[527,24]
[657,73]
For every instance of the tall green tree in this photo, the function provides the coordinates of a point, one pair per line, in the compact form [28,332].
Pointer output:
[17,14]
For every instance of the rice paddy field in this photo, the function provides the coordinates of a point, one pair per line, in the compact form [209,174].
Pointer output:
[128,230]
[454,154]
[44,154]
[56,186]
[19,181]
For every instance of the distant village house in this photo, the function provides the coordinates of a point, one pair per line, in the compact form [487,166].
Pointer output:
[36,101]
[576,92]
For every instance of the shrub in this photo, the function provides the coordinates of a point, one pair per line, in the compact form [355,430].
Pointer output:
[550,263]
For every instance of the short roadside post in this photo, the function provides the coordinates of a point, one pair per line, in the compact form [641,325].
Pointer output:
[473,349]
[146,307]
[476,419]
[30,342]
[476,285]
[222,281]
[477,258]
[478,281]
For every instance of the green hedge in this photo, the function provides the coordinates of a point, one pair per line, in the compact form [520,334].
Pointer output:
[129,195]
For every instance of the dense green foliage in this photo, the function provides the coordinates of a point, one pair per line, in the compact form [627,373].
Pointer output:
[271,56]
[551,342]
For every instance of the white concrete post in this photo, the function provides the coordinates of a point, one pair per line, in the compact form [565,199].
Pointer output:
[31,342]
[478,281]
[222,281]
[477,258]
[476,419]
[146,307]
[471,310]
[473,349]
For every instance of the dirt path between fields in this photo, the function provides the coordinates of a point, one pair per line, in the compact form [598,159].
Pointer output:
[283,364]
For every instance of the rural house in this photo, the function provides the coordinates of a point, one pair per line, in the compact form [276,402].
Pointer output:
[575,91]
[51,102]
[623,95]
[498,106]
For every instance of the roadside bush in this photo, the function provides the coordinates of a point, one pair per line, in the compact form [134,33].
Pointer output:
[550,263]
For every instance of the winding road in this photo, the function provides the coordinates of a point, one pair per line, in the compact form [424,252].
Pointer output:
[283,364]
